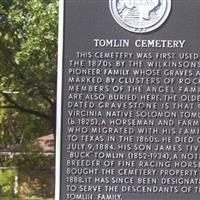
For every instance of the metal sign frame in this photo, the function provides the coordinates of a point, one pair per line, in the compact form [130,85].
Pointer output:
[59,99]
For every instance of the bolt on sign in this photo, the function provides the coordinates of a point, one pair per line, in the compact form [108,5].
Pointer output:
[128,106]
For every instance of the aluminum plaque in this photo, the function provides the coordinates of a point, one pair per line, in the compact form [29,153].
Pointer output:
[128,106]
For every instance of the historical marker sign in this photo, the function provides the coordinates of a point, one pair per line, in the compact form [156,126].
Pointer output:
[128,100]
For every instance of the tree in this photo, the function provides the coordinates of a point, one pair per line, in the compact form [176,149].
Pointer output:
[28,59]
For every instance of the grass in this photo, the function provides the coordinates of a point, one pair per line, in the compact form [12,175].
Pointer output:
[23,198]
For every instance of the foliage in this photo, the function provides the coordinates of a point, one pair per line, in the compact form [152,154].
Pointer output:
[6,180]
[33,162]
[30,168]
[28,46]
